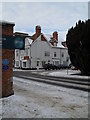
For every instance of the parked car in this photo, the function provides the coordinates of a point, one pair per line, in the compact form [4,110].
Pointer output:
[50,66]
[62,66]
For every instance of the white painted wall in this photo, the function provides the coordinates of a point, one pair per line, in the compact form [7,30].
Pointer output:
[61,55]
[17,58]
[38,49]
[25,63]
[36,52]
[57,58]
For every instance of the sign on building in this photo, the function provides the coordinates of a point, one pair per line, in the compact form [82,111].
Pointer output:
[12,42]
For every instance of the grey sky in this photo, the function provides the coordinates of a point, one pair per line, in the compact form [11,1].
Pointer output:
[51,16]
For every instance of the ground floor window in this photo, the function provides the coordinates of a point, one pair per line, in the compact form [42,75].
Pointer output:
[37,63]
[43,63]
[24,64]
[20,63]
[17,63]
[56,62]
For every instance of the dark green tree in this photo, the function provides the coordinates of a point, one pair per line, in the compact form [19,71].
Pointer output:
[78,43]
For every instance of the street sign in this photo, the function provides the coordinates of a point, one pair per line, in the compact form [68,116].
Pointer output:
[0,44]
[5,67]
[12,42]
[5,61]
[19,42]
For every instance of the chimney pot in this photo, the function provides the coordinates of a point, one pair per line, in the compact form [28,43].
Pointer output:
[38,30]
[55,35]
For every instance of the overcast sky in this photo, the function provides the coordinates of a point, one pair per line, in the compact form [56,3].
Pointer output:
[51,16]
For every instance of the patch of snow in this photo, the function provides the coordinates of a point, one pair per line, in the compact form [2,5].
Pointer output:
[66,73]
[48,36]
[60,45]
[40,100]
[29,40]
[0,109]
[58,73]
[15,69]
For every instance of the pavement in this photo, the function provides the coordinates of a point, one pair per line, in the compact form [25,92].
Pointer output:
[34,99]
[40,100]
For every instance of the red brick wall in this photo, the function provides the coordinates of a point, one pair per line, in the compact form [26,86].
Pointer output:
[7,75]
[7,30]
[55,35]
[43,38]
[0,73]
[52,43]
[38,30]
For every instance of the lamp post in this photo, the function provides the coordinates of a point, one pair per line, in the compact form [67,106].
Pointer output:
[30,55]
[67,71]
[67,61]
[60,56]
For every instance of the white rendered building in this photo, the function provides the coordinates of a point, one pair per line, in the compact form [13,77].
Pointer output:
[41,49]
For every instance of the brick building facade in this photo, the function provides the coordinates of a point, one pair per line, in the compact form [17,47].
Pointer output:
[6,28]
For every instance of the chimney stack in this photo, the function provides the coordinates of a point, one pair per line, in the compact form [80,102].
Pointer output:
[38,30]
[55,35]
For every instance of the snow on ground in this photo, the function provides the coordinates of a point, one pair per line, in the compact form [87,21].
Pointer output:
[65,73]
[37,70]
[40,100]
[0,109]
[58,73]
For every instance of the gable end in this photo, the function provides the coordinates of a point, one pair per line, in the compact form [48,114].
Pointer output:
[43,38]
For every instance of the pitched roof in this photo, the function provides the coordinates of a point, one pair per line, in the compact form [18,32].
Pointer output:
[35,36]
[60,45]
[22,34]
[49,37]
[29,40]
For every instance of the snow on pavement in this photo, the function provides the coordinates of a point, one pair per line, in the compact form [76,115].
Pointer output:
[0,109]
[40,100]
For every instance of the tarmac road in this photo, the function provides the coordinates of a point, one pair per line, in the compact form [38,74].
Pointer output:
[74,83]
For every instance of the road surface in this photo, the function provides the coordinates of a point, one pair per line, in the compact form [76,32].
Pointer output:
[74,83]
